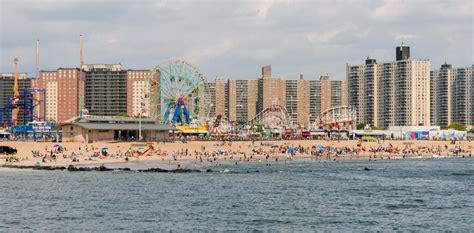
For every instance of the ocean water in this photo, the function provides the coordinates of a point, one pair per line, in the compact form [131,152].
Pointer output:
[300,196]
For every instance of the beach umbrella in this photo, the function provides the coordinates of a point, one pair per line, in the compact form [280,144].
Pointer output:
[104,148]
[57,145]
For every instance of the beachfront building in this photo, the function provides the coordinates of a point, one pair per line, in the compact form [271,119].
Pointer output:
[393,93]
[94,129]
[106,89]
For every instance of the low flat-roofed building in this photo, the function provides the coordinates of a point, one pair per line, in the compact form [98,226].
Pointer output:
[93,129]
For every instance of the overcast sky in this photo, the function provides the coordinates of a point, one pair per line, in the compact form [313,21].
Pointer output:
[235,38]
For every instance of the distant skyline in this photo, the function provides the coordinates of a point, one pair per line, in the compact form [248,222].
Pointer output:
[235,39]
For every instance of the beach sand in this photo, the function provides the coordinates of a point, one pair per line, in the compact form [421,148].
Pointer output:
[26,158]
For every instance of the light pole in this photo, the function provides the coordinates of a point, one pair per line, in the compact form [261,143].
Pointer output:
[140,123]
[142,102]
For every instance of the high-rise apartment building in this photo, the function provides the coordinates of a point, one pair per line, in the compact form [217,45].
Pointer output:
[271,90]
[138,92]
[65,91]
[303,103]
[441,95]
[314,99]
[49,81]
[383,96]
[363,90]
[106,89]
[221,102]
[298,101]
[241,100]
[325,92]
[252,100]
[463,96]
[291,96]
[452,95]
[212,98]
[394,93]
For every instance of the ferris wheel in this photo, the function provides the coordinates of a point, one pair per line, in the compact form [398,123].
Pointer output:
[179,93]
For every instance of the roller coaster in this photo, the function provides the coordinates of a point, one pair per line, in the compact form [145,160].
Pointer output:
[275,117]
[336,118]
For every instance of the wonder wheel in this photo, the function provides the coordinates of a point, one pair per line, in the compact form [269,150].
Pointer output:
[179,94]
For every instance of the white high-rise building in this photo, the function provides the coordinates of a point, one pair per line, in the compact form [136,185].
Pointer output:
[452,95]
[391,94]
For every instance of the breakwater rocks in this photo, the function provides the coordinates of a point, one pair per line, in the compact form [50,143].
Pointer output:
[173,170]
[101,168]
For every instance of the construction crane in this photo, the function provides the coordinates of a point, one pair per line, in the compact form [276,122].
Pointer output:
[81,76]
[16,93]
[37,78]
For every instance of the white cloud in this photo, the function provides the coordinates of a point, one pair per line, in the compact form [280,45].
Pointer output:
[391,9]
[327,36]
[200,55]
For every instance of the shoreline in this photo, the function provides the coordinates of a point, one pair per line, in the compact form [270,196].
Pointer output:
[204,169]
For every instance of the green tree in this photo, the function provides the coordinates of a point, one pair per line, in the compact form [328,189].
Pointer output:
[259,128]
[457,126]
[360,126]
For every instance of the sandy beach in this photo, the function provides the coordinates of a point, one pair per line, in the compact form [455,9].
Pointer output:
[217,150]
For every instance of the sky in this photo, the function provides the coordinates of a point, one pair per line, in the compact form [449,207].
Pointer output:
[235,38]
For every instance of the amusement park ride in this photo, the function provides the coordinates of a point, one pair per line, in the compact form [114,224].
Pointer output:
[180,96]
[336,118]
[26,102]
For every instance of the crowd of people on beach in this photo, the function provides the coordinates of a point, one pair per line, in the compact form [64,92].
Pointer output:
[262,151]
[85,153]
